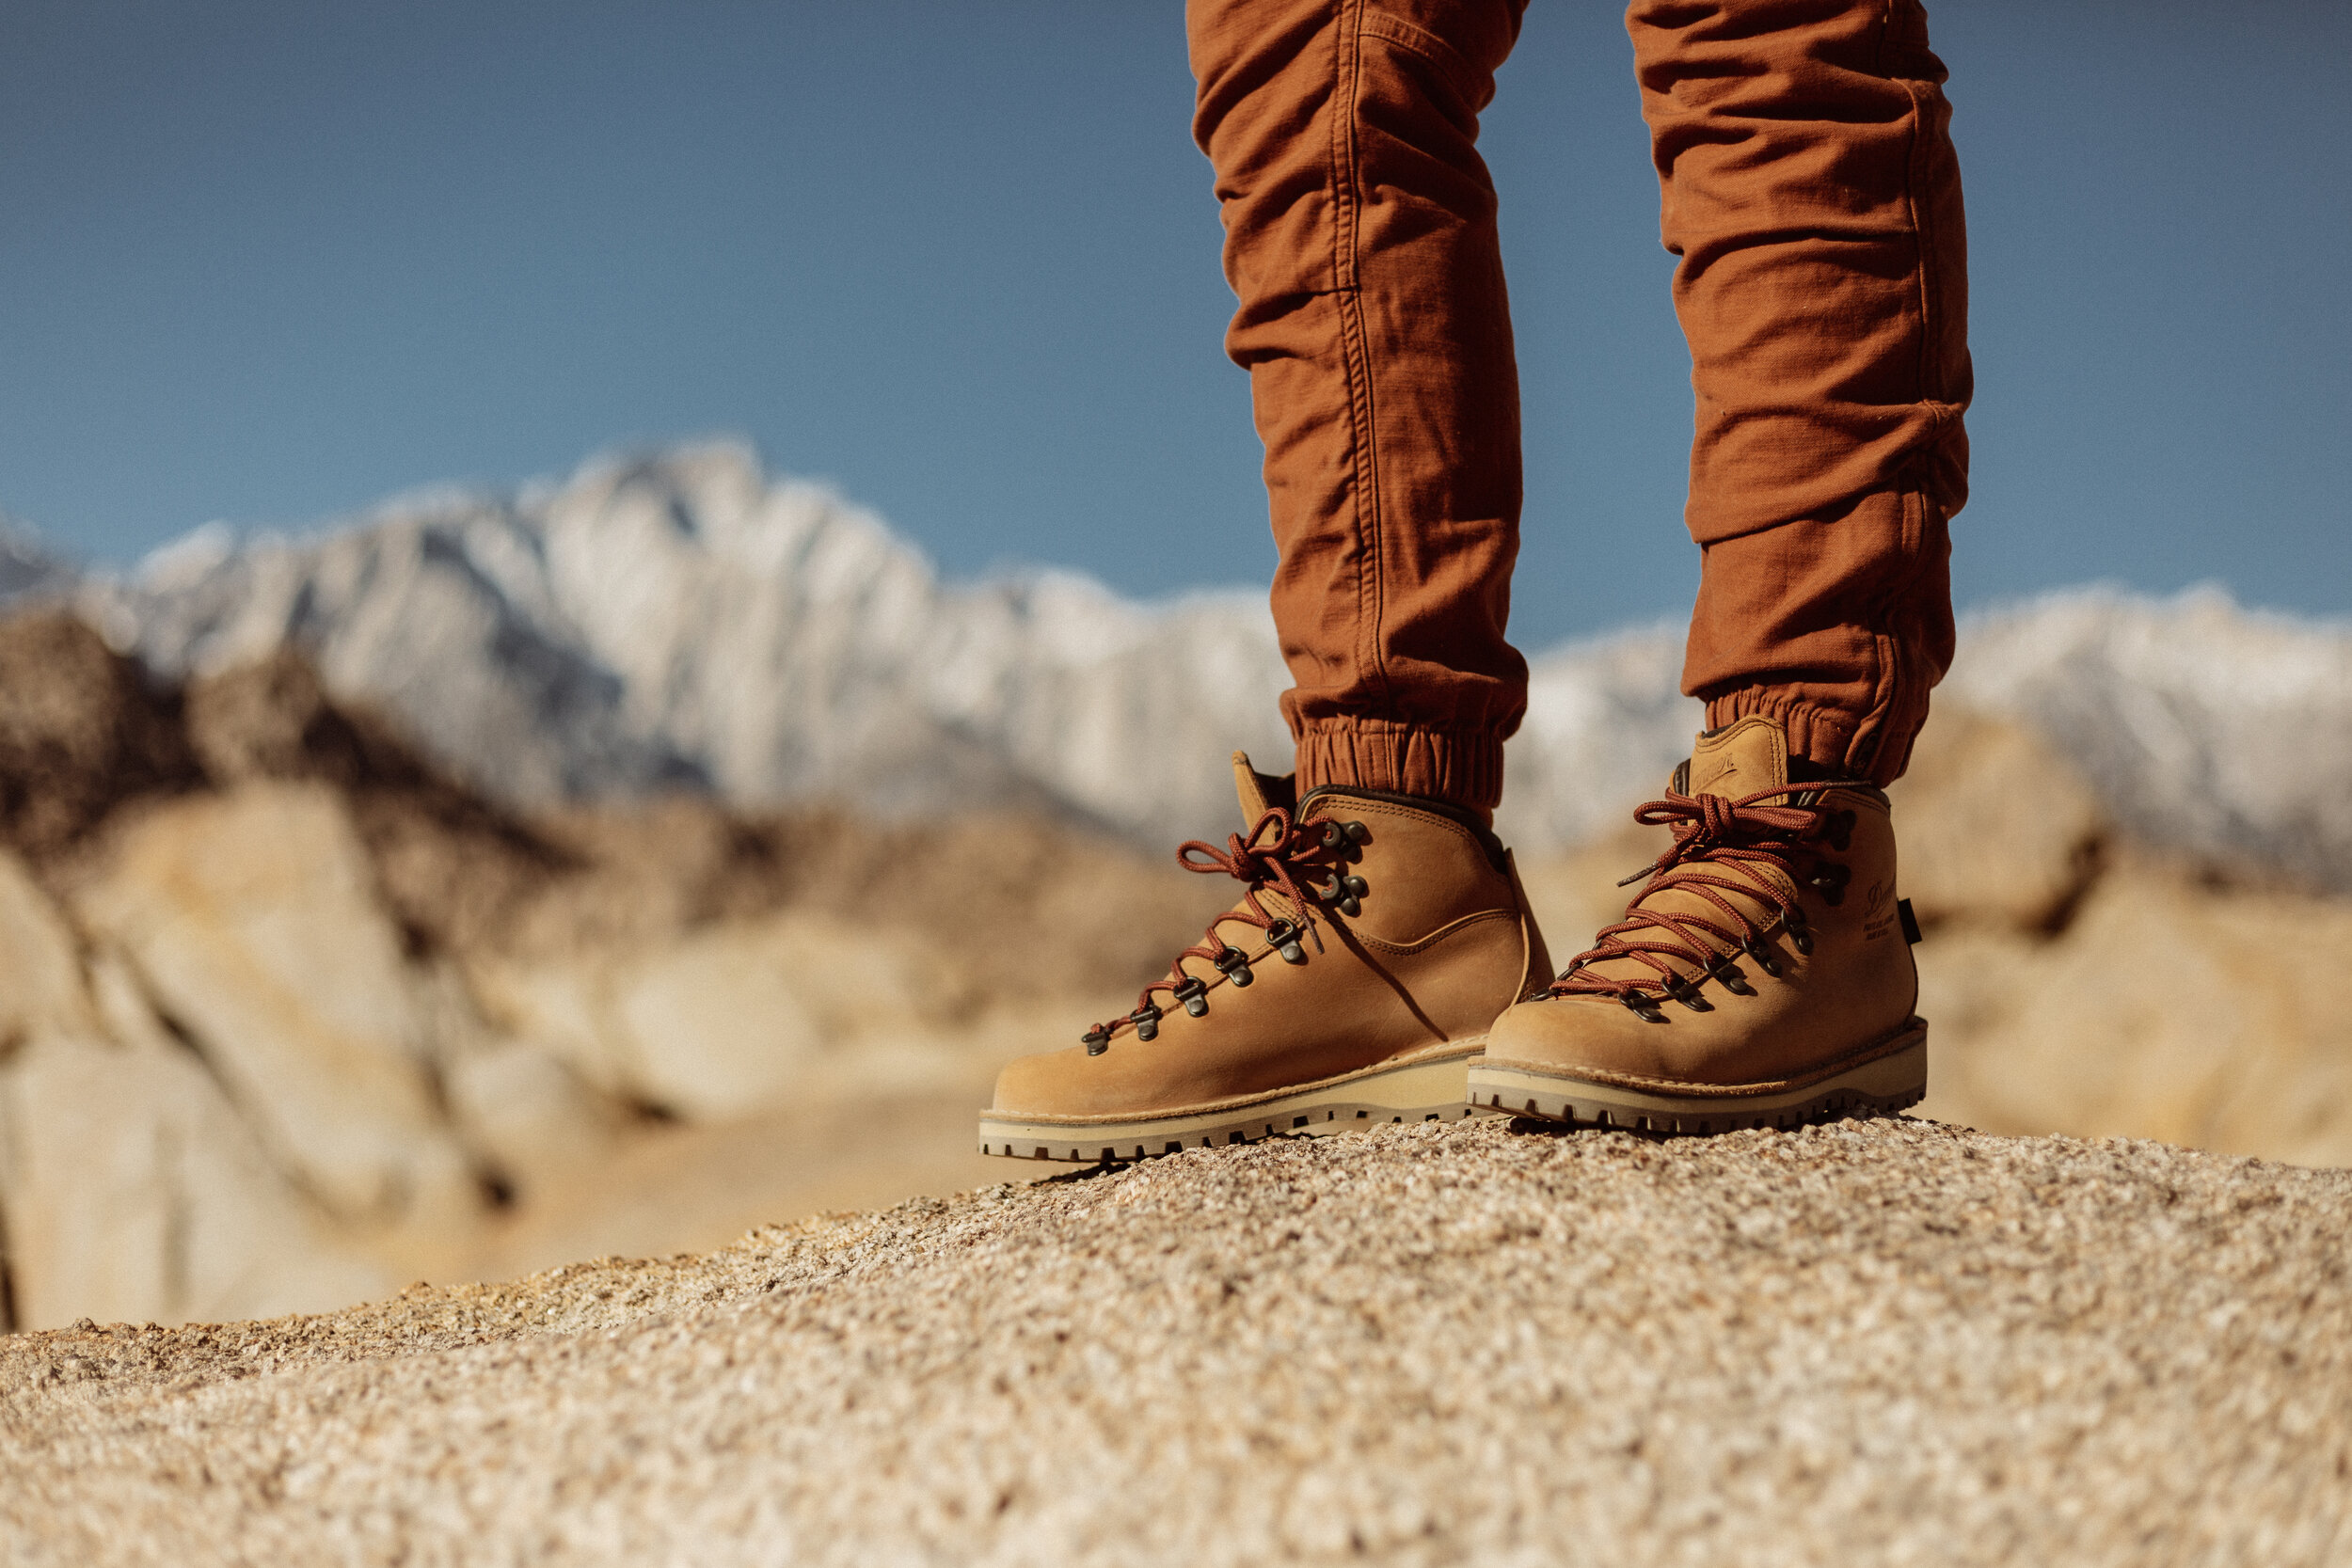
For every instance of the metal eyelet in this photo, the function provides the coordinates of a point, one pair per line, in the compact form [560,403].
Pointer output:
[1096,1041]
[1800,930]
[1682,990]
[1643,1007]
[1234,965]
[1840,831]
[1757,948]
[1282,936]
[1830,879]
[1356,832]
[1733,979]
[1344,894]
[1194,995]
[1147,1021]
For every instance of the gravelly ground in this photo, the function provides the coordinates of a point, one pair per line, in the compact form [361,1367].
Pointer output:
[1867,1342]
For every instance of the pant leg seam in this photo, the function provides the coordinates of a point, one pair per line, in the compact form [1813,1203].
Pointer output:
[1887,672]
[1363,446]
[1927,381]
[1887,690]
[1345,50]
[1869,732]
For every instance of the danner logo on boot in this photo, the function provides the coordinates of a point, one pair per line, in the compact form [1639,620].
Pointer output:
[1878,913]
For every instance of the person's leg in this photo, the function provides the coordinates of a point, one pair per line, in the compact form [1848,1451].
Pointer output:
[1762,975]
[1360,240]
[1809,186]
[1381,929]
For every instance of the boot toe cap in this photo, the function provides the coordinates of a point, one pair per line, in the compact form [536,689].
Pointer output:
[1038,1085]
[1568,1033]
[1059,1084]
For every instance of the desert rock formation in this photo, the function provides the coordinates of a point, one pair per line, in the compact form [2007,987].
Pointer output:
[294,1020]
[288,1018]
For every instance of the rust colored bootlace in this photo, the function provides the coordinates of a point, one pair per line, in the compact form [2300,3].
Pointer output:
[1720,845]
[1274,854]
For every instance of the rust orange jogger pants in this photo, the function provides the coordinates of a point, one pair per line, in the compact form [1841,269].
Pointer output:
[1809,188]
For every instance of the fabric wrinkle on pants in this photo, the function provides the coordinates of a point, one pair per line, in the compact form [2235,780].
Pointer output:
[1808,185]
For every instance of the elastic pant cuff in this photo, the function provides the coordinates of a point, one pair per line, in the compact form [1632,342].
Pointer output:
[1462,768]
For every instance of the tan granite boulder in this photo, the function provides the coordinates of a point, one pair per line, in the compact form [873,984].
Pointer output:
[1995,827]
[730,1019]
[129,1186]
[42,990]
[134,1191]
[252,922]
[2169,1009]
[541,1127]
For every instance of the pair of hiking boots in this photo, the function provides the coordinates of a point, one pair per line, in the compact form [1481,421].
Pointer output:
[1381,965]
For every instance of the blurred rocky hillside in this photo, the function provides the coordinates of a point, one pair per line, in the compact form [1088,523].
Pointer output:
[288,1018]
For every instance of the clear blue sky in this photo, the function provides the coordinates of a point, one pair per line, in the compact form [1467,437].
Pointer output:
[268,262]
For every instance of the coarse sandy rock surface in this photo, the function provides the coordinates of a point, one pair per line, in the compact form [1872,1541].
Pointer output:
[1888,1341]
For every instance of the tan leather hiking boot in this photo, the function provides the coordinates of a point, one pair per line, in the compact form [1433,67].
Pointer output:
[1762,978]
[1378,938]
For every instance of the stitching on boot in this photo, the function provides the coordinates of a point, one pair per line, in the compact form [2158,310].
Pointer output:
[1860,1057]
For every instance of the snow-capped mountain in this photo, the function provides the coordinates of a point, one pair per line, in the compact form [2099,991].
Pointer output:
[682,621]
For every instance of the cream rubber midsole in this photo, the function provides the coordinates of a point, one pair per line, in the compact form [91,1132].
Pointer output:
[1431,1089]
[1889,1082]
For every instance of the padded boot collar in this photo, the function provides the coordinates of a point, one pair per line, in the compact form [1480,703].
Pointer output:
[1461,815]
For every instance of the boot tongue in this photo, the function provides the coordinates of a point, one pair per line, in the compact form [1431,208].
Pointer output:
[1737,760]
[1259,792]
[1740,759]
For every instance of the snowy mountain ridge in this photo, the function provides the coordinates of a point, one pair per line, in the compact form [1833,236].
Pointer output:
[682,621]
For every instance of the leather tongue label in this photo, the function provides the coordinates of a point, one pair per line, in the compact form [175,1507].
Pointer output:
[1741,759]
